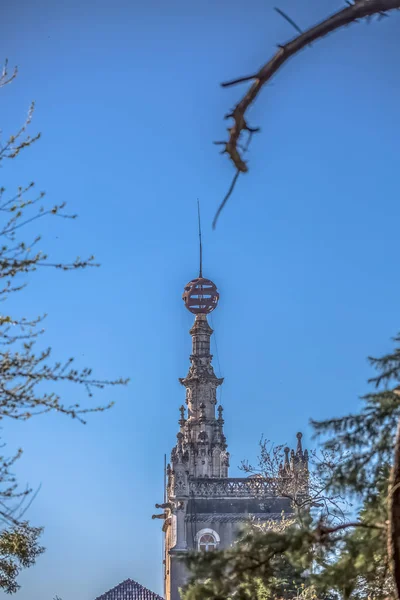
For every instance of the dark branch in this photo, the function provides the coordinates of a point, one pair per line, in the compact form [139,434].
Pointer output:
[288,19]
[350,14]
[234,180]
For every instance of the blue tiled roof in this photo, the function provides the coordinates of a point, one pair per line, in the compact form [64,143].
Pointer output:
[129,590]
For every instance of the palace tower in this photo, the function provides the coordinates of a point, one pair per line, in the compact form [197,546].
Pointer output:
[204,508]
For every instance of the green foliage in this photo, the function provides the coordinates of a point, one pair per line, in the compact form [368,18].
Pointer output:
[27,375]
[347,559]
[255,565]
[19,548]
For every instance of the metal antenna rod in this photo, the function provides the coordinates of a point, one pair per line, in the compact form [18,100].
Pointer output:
[201,247]
[165,478]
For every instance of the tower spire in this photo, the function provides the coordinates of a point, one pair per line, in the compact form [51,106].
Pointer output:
[200,243]
[201,448]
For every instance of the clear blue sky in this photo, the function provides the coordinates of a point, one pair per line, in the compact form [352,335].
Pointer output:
[305,255]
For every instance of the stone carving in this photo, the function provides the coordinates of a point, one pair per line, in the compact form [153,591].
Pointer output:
[182,420]
[237,487]
[203,437]
[204,518]
[180,487]
[213,396]
[225,458]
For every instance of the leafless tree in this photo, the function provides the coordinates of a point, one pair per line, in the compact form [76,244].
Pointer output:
[307,484]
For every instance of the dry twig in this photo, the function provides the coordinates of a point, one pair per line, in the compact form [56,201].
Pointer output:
[352,13]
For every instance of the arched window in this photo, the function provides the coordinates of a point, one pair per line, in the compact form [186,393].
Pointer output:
[207,542]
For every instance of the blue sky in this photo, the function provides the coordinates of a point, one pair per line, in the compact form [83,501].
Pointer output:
[305,254]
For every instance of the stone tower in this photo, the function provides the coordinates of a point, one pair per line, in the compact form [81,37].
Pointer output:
[204,507]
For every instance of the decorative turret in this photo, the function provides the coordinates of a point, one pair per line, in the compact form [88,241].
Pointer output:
[300,458]
[182,420]
[201,446]
[203,508]
[298,461]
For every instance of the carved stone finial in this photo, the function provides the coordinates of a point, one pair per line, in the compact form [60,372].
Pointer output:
[203,437]
[182,419]
[202,411]
[299,444]
[287,450]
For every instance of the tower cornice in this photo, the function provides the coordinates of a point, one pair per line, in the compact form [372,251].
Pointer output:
[192,380]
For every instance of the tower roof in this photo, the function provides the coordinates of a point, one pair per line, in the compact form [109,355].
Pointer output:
[129,590]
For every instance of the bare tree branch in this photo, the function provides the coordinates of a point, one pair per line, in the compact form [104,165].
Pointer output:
[351,14]
[289,20]
[234,180]
[308,491]
[5,77]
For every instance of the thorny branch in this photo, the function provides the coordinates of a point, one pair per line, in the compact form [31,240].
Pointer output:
[361,9]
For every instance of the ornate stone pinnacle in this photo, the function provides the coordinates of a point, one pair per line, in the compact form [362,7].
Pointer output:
[182,420]
[201,430]
[220,417]
[299,444]
[287,450]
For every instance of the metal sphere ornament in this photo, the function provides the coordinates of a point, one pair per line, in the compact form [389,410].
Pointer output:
[200,296]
